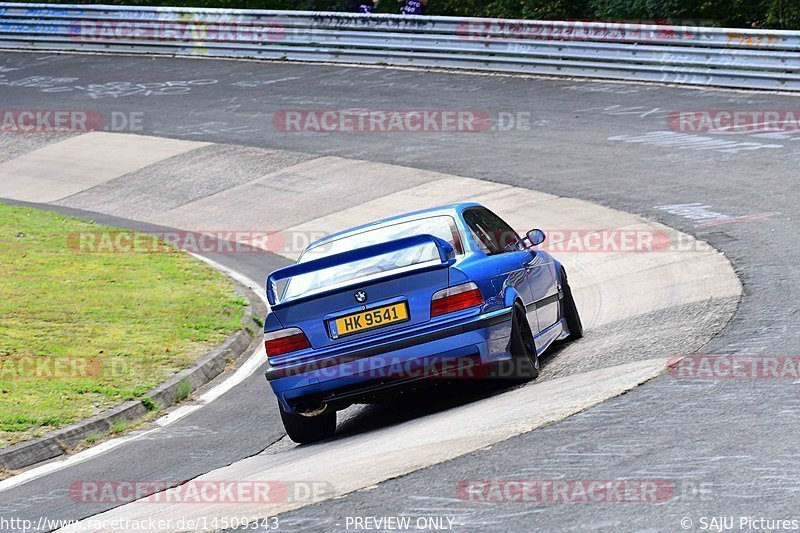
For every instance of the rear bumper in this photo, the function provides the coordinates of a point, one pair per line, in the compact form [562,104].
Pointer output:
[452,351]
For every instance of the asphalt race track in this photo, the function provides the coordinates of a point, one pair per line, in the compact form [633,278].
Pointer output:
[728,446]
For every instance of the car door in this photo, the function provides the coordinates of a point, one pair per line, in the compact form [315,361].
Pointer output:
[508,261]
[541,275]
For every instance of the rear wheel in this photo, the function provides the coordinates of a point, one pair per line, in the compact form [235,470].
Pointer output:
[569,310]
[306,429]
[524,361]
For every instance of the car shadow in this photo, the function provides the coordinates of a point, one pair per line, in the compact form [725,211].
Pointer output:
[430,397]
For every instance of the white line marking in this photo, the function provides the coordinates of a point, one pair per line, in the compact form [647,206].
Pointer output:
[39,471]
[177,414]
[252,364]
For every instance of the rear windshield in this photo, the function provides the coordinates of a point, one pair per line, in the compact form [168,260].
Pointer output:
[443,227]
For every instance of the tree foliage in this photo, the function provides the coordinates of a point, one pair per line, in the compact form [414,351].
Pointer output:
[720,13]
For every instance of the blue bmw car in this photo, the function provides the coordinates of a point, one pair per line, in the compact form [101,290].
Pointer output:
[451,293]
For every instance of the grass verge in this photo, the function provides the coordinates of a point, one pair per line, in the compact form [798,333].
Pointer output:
[82,332]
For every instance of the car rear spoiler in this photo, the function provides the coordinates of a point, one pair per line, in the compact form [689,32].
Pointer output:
[445,249]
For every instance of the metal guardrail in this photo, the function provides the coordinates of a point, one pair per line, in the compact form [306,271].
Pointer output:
[669,54]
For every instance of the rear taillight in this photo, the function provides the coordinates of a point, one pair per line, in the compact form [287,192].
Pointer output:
[285,341]
[456,298]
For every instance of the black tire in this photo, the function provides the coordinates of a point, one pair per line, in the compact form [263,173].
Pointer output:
[524,360]
[308,429]
[569,310]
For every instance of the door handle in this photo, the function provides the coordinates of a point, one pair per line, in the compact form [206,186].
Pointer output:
[529,264]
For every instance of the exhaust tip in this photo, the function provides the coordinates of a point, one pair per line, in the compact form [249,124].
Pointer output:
[311,409]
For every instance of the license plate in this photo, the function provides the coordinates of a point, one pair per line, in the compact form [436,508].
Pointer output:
[366,320]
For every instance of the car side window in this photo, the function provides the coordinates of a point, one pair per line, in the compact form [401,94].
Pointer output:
[491,233]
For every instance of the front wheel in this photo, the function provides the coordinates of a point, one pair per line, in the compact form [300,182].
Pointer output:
[569,310]
[307,429]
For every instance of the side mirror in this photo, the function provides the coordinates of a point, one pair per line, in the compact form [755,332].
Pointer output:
[536,237]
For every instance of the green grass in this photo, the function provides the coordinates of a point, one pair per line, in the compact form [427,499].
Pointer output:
[118,426]
[183,390]
[150,404]
[133,320]
[92,438]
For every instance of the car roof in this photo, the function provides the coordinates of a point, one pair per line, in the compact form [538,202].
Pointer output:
[452,210]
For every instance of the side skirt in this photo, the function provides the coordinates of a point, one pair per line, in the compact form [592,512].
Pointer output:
[553,333]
